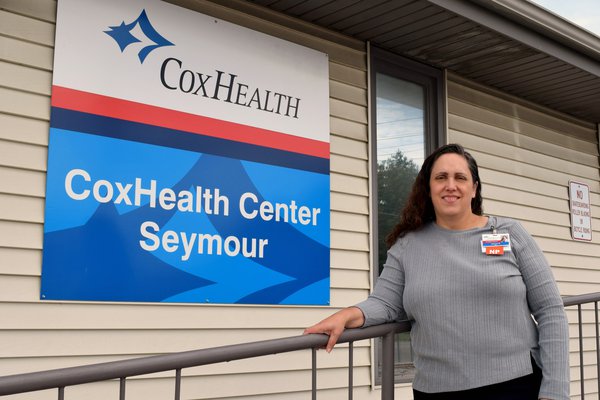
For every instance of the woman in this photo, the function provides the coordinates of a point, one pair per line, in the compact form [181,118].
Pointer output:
[469,284]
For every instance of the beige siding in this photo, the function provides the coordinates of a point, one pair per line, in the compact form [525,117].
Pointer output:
[37,335]
[527,155]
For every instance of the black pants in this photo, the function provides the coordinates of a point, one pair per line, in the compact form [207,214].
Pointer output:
[524,388]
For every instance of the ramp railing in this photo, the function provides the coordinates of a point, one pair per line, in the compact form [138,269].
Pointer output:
[121,370]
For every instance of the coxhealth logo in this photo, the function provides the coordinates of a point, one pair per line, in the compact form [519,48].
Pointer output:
[123,36]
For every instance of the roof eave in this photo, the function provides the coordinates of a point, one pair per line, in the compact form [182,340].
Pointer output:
[534,27]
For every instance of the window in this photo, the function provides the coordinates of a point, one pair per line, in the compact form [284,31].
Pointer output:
[407,124]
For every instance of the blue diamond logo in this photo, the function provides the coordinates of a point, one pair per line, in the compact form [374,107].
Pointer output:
[123,36]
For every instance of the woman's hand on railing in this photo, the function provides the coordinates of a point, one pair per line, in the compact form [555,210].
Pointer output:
[334,325]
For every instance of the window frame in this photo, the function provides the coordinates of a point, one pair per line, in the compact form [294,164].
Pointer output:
[433,81]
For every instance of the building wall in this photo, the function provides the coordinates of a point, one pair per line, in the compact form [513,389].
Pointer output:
[527,155]
[36,335]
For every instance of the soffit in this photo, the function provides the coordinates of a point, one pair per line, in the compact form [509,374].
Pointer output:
[466,38]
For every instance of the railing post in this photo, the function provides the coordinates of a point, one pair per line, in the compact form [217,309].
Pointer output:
[350,369]
[387,367]
[122,388]
[314,373]
[597,345]
[178,384]
[581,373]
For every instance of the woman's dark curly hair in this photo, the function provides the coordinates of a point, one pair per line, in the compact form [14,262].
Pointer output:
[418,209]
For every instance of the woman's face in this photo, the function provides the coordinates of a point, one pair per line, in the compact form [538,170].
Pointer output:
[451,186]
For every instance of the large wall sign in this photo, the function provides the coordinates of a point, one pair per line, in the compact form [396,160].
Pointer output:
[188,160]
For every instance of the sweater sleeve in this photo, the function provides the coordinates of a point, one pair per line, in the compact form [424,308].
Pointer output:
[385,303]
[547,308]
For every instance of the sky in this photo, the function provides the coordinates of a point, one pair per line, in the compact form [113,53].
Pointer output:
[585,13]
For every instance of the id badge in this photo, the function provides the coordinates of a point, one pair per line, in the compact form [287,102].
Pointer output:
[495,244]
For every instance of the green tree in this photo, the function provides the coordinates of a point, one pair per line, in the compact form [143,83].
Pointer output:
[395,176]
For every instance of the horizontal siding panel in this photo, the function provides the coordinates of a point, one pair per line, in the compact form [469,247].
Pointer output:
[570,247]
[20,261]
[494,180]
[348,129]
[286,382]
[45,343]
[212,385]
[571,260]
[65,315]
[588,326]
[361,392]
[341,221]
[19,288]
[21,235]
[554,231]
[220,386]
[25,104]
[516,111]
[565,230]
[348,75]
[587,314]
[572,289]
[576,275]
[548,230]
[588,344]
[522,183]
[349,166]
[349,259]
[349,203]
[344,240]
[524,213]
[25,28]
[19,208]
[347,297]
[348,111]
[30,54]
[23,155]
[293,361]
[499,193]
[25,182]
[349,93]
[20,298]
[549,143]
[26,79]
[349,147]
[45,10]
[352,279]
[509,152]
[347,184]
[24,130]
[530,171]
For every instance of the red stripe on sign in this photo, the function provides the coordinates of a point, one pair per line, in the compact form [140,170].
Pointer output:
[158,116]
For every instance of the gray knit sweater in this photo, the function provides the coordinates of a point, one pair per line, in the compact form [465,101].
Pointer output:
[471,312]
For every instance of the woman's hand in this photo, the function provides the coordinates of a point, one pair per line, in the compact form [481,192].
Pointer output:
[335,324]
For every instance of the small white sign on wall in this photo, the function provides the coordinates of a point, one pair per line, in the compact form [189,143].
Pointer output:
[580,205]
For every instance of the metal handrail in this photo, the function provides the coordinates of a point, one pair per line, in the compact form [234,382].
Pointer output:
[578,301]
[60,378]
[581,299]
